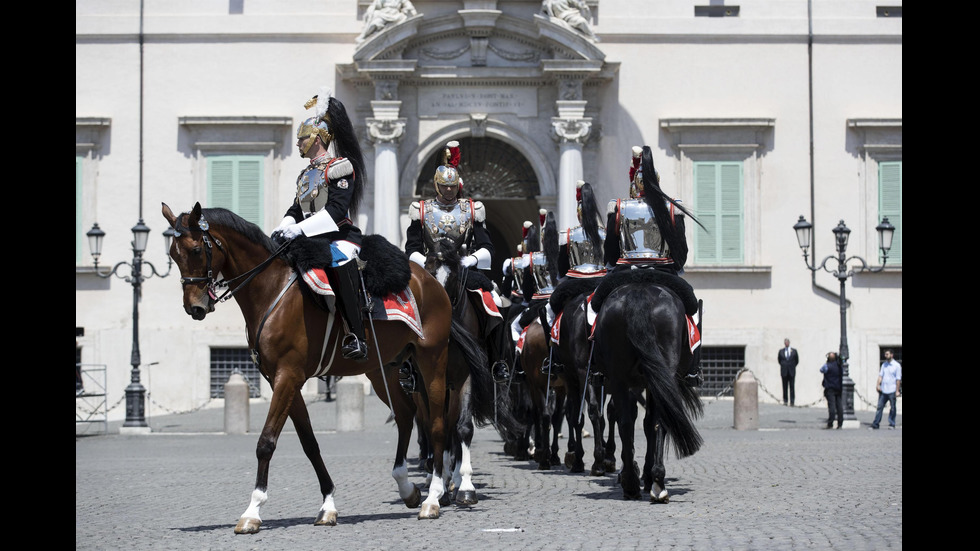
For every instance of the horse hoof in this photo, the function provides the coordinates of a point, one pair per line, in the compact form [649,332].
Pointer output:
[445,499]
[248,526]
[659,494]
[596,471]
[413,500]
[429,511]
[326,518]
[466,497]
[610,465]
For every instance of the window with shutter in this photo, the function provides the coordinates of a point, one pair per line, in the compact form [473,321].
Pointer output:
[718,204]
[890,205]
[235,183]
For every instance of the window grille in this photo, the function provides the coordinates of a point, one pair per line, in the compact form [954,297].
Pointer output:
[224,361]
[720,365]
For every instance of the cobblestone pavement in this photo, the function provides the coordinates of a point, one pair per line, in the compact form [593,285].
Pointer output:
[789,485]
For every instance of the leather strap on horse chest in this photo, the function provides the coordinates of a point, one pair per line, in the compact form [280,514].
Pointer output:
[254,351]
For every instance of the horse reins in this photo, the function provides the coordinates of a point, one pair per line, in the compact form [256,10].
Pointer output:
[212,284]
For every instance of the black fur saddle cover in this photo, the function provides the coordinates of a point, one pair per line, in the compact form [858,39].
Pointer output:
[678,285]
[386,269]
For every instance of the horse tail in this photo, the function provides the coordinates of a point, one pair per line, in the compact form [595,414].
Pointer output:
[480,405]
[674,407]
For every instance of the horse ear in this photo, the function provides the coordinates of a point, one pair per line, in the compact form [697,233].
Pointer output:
[194,216]
[169,215]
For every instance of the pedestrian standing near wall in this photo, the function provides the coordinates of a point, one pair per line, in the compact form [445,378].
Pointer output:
[788,358]
[833,388]
[889,387]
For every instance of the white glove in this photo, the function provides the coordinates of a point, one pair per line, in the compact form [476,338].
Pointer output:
[417,258]
[468,261]
[292,231]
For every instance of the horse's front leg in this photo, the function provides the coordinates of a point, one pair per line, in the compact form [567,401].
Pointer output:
[463,471]
[282,399]
[437,436]
[327,516]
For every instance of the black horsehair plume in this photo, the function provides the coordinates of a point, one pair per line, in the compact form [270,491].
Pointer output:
[590,218]
[657,201]
[549,240]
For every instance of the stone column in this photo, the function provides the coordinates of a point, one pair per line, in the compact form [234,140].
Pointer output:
[572,130]
[385,131]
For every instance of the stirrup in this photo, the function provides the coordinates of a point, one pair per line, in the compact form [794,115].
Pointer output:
[694,379]
[500,372]
[406,378]
[354,348]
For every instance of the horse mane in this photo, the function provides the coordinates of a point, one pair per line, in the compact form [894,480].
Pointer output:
[229,219]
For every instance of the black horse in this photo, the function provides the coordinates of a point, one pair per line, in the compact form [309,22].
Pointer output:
[641,342]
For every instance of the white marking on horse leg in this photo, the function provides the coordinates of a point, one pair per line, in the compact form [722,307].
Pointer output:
[658,493]
[447,476]
[328,505]
[405,486]
[465,469]
[258,499]
[436,489]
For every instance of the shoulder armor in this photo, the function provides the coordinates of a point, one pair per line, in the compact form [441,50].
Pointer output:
[413,211]
[479,212]
[611,207]
[339,167]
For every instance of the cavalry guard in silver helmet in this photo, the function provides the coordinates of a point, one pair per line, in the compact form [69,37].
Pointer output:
[580,254]
[648,228]
[462,221]
[328,192]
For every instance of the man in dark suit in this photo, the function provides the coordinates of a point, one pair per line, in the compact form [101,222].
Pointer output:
[788,358]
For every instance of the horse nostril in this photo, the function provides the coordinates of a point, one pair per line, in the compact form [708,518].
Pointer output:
[197,312]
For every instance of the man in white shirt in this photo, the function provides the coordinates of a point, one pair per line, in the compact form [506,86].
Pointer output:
[889,387]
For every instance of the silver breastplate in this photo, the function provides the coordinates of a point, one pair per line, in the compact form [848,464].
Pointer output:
[311,189]
[517,267]
[454,222]
[639,232]
[543,283]
[581,256]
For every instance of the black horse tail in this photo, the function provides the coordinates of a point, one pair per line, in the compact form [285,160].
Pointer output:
[673,401]
[657,201]
[346,145]
[479,405]
[590,218]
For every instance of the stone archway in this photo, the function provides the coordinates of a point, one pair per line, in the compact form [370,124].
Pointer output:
[502,177]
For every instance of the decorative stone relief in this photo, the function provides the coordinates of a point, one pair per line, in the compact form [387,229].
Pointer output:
[571,130]
[386,130]
[382,13]
[573,13]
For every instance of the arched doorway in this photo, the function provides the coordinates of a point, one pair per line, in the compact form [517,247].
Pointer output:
[500,176]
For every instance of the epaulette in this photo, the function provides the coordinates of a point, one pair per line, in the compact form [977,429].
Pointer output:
[414,211]
[479,212]
[339,167]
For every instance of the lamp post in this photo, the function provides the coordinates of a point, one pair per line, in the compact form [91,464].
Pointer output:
[841,234]
[135,392]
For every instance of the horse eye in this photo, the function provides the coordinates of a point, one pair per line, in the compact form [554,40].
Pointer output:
[196,250]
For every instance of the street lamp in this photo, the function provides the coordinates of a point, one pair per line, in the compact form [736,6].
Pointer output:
[135,393]
[886,231]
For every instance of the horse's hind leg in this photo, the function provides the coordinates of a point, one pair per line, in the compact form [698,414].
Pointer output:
[304,429]
[654,473]
[405,418]
[463,470]
[282,399]
[629,477]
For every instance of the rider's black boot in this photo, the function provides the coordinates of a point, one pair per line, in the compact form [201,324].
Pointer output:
[346,278]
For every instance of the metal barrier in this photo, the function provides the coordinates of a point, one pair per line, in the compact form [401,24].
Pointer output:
[90,401]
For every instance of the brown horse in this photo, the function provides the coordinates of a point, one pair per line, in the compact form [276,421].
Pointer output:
[293,339]
[546,393]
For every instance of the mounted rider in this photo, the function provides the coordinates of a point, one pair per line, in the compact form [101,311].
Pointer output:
[647,231]
[325,241]
[540,277]
[462,221]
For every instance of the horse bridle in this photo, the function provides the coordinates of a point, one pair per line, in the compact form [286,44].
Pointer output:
[209,280]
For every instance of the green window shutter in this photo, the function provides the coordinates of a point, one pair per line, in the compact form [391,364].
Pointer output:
[79,235]
[235,183]
[890,204]
[718,205]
